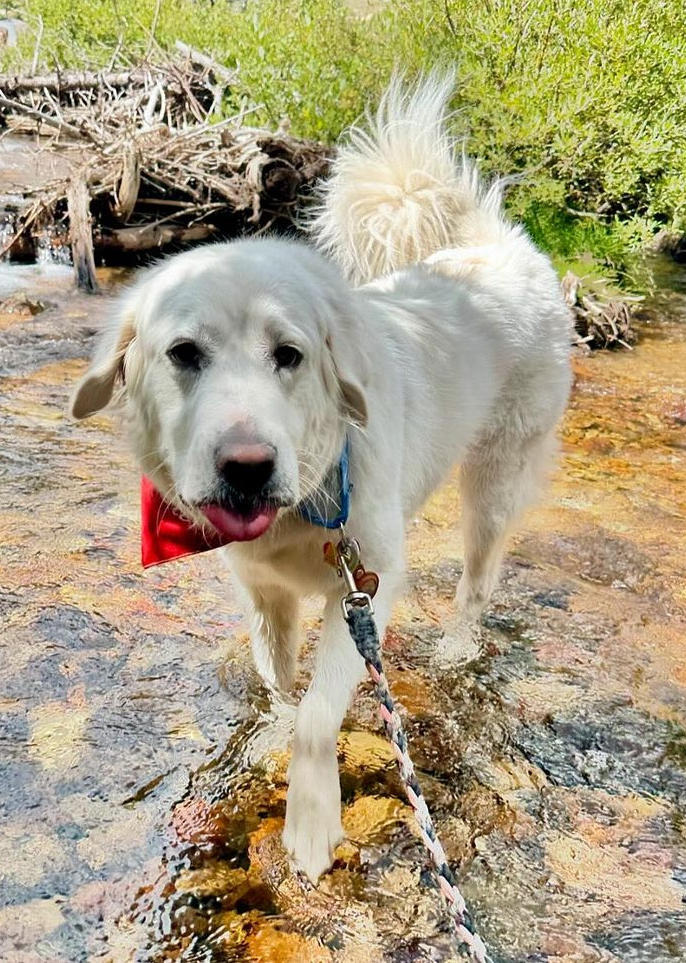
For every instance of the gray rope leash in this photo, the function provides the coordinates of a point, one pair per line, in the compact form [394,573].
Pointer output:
[358,612]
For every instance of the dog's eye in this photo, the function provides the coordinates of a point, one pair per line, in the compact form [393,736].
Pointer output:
[186,354]
[287,356]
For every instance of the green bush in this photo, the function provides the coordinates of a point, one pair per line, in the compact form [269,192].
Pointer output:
[583,101]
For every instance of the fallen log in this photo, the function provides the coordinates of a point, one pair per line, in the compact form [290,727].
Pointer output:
[71,80]
[147,237]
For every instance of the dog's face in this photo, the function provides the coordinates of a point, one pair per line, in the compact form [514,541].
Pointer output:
[240,364]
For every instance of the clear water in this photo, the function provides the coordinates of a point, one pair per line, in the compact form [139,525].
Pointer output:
[143,767]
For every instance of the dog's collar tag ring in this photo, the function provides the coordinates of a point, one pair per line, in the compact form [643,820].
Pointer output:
[166,535]
[362,585]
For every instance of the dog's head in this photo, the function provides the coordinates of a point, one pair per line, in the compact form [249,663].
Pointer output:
[239,365]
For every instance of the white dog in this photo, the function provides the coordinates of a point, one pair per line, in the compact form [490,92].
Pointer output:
[247,368]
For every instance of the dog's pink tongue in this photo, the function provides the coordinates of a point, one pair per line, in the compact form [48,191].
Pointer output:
[239,528]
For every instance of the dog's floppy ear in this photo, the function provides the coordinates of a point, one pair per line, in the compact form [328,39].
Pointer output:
[351,371]
[95,389]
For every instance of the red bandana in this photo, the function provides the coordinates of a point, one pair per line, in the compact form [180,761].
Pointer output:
[165,534]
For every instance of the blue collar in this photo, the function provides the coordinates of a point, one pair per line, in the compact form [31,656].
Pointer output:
[338,481]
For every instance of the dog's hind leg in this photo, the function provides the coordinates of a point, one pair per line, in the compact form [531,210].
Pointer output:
[499,479]
[273,613]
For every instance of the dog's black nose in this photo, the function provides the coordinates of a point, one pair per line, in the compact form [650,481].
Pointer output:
[246,468]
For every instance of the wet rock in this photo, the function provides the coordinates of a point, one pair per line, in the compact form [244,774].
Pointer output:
[57,733]
[360,750]
[440,578]
[188,920]
[414,694]
[216,879]
[20,924]
[675,746]
[627,756]
[318,912]
[115,844]
[671,242]
[21,306]
[645,938]
[18,352]
[612,874]
[457,838]
[543,696]
[69,627]
[269,943]
[417,950]
[603,558]
[211,828]
[370,818]
[31,858]
[553,598]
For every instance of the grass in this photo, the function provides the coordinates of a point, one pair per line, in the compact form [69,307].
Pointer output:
[582,102]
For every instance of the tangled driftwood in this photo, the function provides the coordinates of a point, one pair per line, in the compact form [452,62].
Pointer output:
[602,318]
[155,164]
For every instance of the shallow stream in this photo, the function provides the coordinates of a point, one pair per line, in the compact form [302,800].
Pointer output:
[143,769]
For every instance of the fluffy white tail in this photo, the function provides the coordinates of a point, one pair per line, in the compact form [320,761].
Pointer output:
[399,192]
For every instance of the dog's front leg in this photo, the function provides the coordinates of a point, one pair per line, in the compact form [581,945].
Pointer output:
[313,811]
[273,613]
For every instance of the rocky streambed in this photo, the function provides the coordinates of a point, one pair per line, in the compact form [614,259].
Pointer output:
[144,768]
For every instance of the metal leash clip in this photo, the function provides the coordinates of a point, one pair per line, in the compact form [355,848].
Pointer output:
[361,584]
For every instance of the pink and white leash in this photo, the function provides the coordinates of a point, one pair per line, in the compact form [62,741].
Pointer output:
[358,612]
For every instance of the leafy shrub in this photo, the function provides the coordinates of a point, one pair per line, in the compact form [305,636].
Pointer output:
[582,101]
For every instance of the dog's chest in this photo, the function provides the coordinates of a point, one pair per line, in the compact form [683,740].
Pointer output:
[296,564]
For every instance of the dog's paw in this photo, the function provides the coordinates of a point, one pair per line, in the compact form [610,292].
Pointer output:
[459,644]
[313,818]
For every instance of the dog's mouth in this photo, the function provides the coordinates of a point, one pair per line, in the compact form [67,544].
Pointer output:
[238,525]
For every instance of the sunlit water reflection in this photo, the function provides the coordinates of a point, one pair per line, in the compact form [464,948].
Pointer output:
[144,767]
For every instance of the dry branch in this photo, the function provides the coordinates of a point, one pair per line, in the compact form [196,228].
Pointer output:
[228,76]
[126,192]
[16,107]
